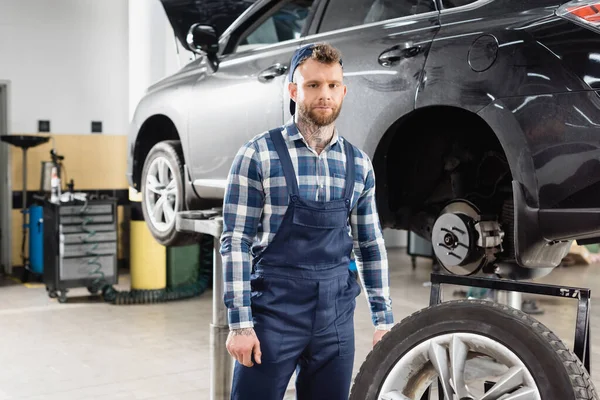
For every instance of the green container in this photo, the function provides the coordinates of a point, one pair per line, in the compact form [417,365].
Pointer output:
[183,265]
[593,248]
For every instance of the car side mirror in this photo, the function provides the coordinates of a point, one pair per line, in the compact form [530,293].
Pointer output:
[203,40]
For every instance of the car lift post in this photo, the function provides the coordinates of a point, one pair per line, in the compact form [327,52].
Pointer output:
[581,346]
[210,222]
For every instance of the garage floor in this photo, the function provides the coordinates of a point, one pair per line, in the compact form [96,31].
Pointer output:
[87,349]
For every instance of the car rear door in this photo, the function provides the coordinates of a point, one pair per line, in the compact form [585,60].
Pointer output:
[384,45]
[246,95]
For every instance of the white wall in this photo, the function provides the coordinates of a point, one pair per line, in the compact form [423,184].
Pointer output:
[67,61]
[154,51]
[74,61]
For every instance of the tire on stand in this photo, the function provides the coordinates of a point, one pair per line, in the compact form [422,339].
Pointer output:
[472,350]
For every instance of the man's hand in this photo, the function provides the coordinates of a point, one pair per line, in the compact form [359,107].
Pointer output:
[378,335]
[241,343]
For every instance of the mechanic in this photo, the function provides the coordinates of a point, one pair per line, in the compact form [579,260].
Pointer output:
[299,200]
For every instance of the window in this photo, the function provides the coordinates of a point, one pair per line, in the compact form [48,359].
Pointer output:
[347,13]
[286,23]
[456,3]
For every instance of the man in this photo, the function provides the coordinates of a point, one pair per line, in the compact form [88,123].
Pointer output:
[299,199]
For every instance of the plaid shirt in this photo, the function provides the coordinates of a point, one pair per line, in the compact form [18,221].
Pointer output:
[256,200]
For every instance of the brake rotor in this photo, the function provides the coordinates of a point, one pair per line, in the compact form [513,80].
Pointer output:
[454,239]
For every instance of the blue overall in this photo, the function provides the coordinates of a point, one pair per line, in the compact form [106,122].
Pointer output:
[303,298]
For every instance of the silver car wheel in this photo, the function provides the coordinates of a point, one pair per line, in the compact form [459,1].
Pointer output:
[161,194]
[445,358]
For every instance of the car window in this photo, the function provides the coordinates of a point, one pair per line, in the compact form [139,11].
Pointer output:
[456,3]
[347,13]
[286,23]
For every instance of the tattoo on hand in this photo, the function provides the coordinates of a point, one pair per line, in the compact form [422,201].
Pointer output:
[243,332]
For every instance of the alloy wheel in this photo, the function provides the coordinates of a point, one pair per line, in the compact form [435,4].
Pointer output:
[461,364]
[160,195]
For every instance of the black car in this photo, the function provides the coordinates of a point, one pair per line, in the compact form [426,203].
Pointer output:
[482,118]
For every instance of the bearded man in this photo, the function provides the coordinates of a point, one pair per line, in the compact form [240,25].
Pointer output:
[300,198]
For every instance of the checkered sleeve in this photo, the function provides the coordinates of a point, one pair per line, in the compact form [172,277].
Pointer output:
[370,252]
[242,209]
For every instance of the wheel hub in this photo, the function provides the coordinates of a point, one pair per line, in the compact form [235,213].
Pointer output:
[454,239]
[450,240]
[462,241]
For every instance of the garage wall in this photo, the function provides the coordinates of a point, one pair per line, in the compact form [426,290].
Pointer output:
[73,62]
[67,61]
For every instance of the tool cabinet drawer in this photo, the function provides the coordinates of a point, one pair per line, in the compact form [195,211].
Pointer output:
[89,210]
[90,249]
[83,237]
[81,268]
[88,219]
[78,228]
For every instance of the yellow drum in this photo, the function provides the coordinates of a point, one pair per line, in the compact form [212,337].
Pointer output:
[148,259]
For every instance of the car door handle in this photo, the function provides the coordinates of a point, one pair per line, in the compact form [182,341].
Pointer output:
[272,72]
[393,55]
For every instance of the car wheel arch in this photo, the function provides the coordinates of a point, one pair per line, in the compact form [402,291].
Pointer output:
[155,129]
[416,143]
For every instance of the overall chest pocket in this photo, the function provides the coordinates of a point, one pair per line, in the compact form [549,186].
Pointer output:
[324,219]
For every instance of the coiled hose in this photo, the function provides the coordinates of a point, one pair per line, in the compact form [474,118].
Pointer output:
[183,291]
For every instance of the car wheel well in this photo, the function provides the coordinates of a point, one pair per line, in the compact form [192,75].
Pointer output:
[155,129]
[432,156]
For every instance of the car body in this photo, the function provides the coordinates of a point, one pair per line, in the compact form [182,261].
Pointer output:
[494,104]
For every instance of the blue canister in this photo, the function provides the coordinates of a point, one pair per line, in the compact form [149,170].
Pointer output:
[36,239]
[352,266]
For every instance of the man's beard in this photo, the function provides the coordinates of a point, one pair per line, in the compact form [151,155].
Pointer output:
[315,119]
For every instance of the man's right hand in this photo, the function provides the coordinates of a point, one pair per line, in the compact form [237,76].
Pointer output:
[241,343]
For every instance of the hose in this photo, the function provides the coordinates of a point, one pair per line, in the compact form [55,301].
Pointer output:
[190,289]
[183,291]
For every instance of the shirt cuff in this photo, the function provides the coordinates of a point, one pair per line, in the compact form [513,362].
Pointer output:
[241,325]
[240,317]
[384,327]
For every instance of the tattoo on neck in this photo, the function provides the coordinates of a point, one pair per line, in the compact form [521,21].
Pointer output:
[318,137]
[243,332]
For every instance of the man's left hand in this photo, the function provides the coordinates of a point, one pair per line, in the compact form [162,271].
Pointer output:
[377,336]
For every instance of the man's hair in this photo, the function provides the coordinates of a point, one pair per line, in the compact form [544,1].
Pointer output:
[323,53]
[326,54]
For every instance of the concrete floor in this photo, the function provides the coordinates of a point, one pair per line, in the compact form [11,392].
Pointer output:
[87,349]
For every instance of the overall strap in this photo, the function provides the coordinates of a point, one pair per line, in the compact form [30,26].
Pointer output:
[286,161]
[350,171]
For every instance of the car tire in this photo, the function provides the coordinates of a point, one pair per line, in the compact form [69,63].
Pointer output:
[433,335]
[163,193]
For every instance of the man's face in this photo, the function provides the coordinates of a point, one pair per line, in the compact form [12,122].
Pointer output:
[318,92]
